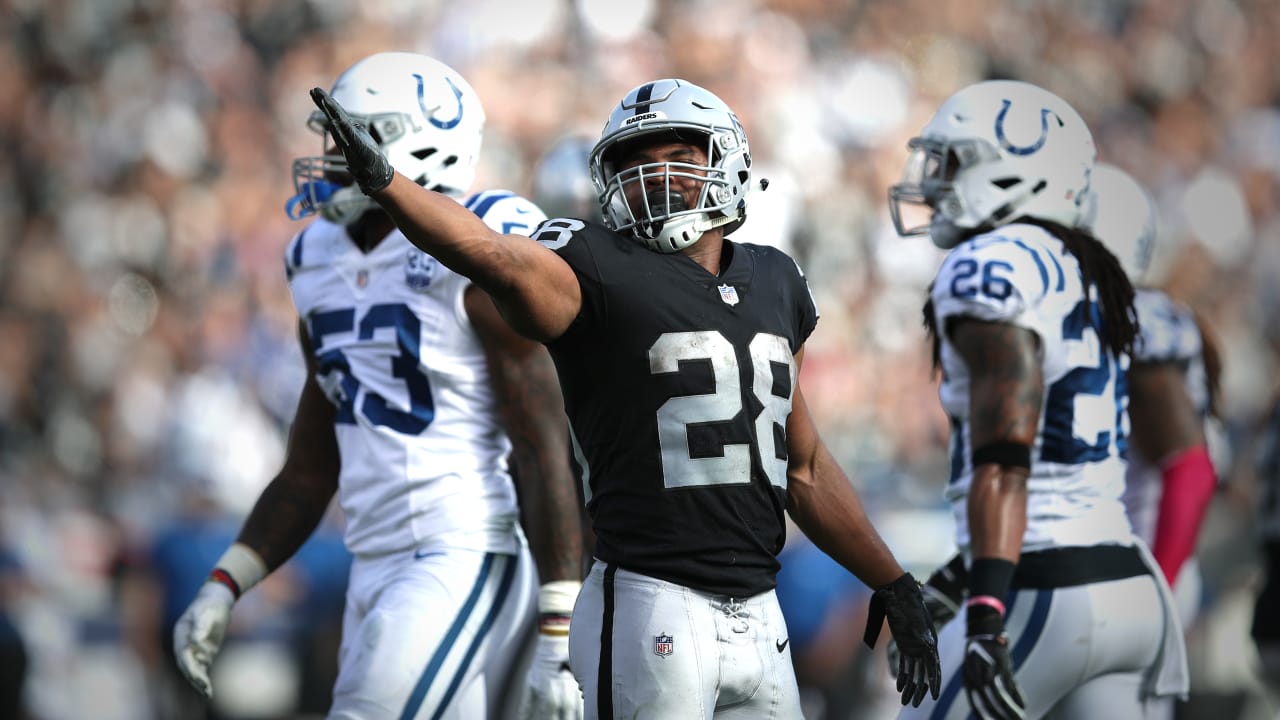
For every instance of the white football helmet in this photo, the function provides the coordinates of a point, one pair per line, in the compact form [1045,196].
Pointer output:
[424,115]
[1120,213]
[689,113]
[994,152]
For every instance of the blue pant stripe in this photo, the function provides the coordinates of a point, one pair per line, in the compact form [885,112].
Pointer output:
[437,660]
[1033,630]
[499,601]
[948,696]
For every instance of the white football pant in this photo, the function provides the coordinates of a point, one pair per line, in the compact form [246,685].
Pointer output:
[673,653]
[1079,653]
[435,634]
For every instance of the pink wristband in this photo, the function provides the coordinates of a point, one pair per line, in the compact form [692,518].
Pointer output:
[988,601]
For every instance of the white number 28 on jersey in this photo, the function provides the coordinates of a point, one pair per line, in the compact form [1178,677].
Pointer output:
[679,468]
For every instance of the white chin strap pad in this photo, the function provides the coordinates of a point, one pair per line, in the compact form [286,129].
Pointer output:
[346,206]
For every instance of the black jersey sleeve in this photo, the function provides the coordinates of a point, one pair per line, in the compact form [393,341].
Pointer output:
[570,238]
[798,294]
[807,313]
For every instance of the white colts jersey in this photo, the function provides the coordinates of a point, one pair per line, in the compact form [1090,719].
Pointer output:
[1169,334]
[1023,276]
[424,458]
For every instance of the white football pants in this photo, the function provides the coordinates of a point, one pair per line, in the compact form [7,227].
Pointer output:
[1079,653]
[648,649]
[436,634]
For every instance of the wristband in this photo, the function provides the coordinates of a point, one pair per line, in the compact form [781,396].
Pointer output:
[988,601]
[990,576]
[1003,453]
[555,606]
[239,568]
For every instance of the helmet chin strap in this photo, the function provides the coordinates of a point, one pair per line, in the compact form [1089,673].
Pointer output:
[346,206]
[674,234]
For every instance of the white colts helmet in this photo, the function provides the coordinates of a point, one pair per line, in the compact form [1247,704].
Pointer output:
[422,113]
[691,114]
[1121,214]
[996,151]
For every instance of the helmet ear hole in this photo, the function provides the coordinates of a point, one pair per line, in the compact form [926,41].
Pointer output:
[1005,183]
[423,153]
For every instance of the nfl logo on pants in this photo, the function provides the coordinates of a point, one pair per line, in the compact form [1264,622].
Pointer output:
[662,645]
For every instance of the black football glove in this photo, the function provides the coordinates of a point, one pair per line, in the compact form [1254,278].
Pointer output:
[918,666]
[987,669]
[365,160]
[943,593]
[944,590]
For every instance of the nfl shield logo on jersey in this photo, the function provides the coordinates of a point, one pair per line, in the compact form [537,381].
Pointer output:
[419,268]
[729,294]
[662,645]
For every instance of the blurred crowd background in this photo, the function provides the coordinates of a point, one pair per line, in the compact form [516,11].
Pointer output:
[148,356]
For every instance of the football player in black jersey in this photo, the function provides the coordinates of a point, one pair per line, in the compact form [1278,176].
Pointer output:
[678,353]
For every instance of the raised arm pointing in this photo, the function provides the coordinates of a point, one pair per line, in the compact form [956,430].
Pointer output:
[534,289]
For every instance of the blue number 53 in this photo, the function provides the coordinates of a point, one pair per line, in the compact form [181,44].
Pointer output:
[344,388]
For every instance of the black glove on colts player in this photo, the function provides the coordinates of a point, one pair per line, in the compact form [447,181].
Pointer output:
[944,591]
[988,669]
[365,160]
[918,666]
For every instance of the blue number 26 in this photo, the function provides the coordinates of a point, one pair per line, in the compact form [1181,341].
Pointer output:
[965,283]
[405,365]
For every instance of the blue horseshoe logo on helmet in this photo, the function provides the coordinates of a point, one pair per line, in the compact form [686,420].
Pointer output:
[1024,149]
[429,112]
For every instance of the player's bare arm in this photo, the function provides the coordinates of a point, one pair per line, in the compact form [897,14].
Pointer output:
[294,502]
[532,411]
[536,291]
[1005,395]
[824,504]
[1163,419]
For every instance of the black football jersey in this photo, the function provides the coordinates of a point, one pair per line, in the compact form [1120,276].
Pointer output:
[678,384]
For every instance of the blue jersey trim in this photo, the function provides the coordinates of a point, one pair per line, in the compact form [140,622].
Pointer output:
[481,202]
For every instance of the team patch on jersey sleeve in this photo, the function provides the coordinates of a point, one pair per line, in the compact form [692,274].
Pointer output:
[1167,329]
[996,278]
[506,212]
